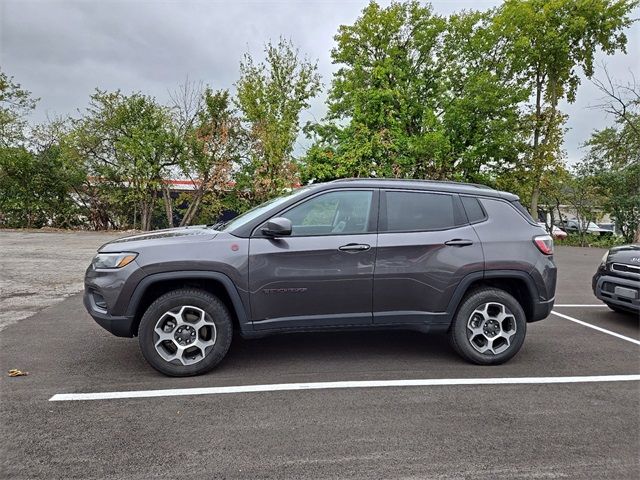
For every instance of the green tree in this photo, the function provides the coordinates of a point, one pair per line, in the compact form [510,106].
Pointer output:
[554,187]
[15,104]
[582,192]
[482,94]
[417,95]
[214,144]
[38,185]
[614,161]
[130,144]
[36,181]
[381,119]
[270,96]
[551,42]
[614,157]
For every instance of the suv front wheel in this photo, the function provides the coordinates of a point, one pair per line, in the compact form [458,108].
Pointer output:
[185,332]
[489,327]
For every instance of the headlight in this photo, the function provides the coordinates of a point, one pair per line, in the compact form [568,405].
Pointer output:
[113,260]
[603,262]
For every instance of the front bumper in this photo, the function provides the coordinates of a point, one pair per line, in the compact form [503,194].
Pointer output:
[107,294]
[604,289]
[119,326]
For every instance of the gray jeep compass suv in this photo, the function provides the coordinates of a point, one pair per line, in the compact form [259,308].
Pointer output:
[430,256]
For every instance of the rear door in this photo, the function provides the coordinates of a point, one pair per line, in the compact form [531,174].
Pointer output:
[425,248]
[322,274]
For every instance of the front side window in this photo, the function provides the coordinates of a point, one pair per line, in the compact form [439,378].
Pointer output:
[255,212]
[334,213]
[417,211]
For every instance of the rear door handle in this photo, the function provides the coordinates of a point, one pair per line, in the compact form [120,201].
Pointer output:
[459,242]
[354,247]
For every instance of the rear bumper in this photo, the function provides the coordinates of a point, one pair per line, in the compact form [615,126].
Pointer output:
[118,326]
[604,289]
[541,310]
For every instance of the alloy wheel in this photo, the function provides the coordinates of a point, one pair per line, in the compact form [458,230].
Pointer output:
[184,335]
[490,328]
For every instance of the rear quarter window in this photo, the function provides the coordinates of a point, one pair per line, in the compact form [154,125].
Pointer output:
[503,212]
[473,208]
[523,211]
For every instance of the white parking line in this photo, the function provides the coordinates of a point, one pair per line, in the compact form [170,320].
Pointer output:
[578,305]
[282,387]
[600,329]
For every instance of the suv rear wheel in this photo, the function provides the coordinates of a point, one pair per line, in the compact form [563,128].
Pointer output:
[185,332]
[489,327]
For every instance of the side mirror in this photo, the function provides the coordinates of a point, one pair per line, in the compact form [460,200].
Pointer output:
[277,227]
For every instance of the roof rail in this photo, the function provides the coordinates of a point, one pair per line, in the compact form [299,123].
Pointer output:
[450,182]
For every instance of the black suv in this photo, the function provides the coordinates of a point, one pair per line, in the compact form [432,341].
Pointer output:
[357,253]
[617,280]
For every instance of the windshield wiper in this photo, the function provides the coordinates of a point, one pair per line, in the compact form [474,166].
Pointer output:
[217,225]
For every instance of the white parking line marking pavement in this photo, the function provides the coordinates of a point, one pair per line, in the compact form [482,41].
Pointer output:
[578,305]
[281,387]
[600,329]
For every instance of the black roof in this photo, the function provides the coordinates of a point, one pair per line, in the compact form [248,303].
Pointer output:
[433,185]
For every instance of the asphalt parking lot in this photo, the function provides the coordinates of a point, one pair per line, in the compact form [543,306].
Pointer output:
[42,268]
[532,430]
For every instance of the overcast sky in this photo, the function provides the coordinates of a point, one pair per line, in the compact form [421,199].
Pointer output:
[62,50]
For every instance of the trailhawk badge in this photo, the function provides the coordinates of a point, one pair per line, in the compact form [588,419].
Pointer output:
[284,290]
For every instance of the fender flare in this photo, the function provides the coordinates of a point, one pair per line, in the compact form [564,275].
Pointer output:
[466,282]
[226,282]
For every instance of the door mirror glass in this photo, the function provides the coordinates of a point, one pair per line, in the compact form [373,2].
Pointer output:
[277,227]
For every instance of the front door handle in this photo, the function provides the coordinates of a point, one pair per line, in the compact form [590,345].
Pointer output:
[354,247]
[459,242]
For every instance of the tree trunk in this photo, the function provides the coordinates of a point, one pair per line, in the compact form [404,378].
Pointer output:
[192,210]
[535,194]
[146,211]
[145,219]
[559,212]
[168,203]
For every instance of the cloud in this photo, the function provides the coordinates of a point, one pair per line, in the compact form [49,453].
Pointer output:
[63,50]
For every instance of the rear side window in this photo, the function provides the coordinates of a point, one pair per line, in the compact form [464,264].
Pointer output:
[523,210]
[475,212]
[417,211]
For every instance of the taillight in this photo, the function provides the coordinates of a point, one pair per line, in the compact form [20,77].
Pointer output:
[544,244]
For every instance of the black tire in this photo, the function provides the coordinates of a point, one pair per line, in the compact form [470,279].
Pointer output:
[459,333]
[217,314]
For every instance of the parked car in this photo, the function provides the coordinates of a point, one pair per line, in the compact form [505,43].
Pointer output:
[370,254]
[573,226]
[608,226]
[556,232]
[617,280]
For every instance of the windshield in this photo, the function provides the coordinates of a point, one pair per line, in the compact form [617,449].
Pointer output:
[255,212]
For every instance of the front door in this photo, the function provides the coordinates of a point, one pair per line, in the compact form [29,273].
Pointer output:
[321,274]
